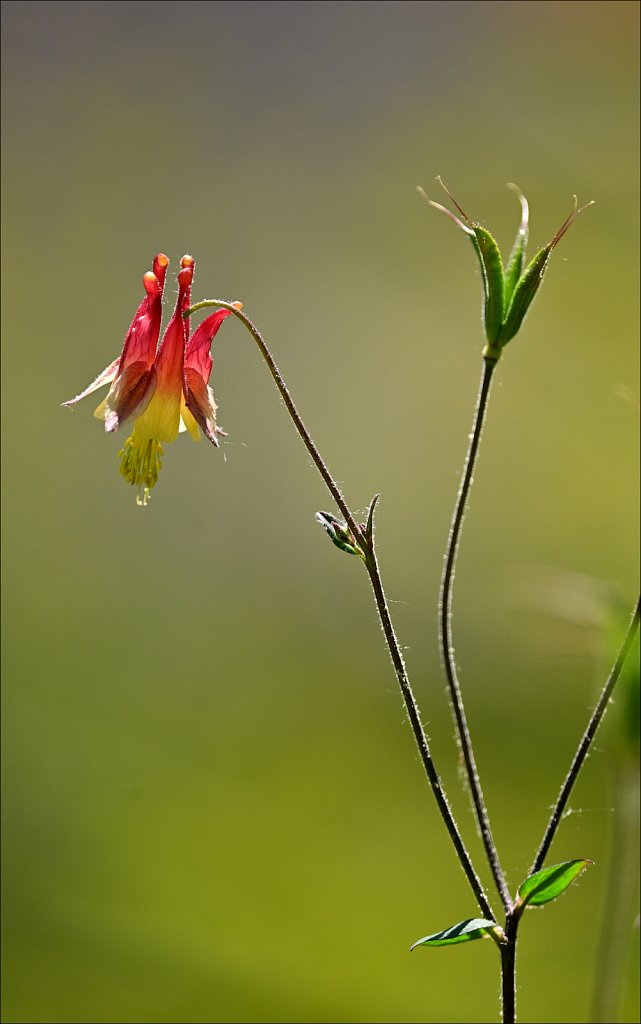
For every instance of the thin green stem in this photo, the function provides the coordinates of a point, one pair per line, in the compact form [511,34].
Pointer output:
[411,707]
[330,483]
[447,647]
[585,743]
[508,969]
[367,545]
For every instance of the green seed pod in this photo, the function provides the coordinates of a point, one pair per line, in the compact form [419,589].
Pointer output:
[516,262]
[526,288]
[507,293]
[490,261]
[530,281]
[493,282]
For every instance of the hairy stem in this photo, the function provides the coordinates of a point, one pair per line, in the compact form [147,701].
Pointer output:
[508,970]
[330,483]
[447,648]
[367,546]
[585,743]
[419,733]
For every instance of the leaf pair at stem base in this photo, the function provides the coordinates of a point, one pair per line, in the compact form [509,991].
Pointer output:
[542,887]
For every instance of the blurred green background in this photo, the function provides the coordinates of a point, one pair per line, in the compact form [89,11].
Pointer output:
[213,807]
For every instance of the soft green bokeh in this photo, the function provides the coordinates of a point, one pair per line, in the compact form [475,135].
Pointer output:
[213,807]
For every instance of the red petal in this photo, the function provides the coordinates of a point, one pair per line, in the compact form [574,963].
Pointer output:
[171,354]
[187,263]
[160,264]
[200,402]
[197,355]
[142,337]
[129,394]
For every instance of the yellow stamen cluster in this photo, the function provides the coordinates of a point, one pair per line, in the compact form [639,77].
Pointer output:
[140,464]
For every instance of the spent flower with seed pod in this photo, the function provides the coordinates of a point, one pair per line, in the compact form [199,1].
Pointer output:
[508,291]
[162,387]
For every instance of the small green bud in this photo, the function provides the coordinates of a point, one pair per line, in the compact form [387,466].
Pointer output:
[507,293]
[339,533]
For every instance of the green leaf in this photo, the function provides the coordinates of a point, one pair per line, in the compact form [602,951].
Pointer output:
[547,884]
[464,931]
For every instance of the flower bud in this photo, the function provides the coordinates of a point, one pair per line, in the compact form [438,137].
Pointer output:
[339,533]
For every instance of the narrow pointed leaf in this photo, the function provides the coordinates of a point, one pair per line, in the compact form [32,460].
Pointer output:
[464,931]
[547,884]
[369,526]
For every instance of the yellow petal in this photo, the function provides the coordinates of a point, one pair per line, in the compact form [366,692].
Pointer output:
[189,423]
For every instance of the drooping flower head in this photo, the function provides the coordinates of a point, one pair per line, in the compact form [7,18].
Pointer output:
[163,388]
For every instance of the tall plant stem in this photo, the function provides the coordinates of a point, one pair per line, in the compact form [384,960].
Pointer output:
[508,969]
[445,631]
[419,733]
[367,545]
[585,743]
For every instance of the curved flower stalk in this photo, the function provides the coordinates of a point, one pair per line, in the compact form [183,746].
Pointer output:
[163,388]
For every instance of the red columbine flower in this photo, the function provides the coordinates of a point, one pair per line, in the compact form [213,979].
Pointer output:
[163,388]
